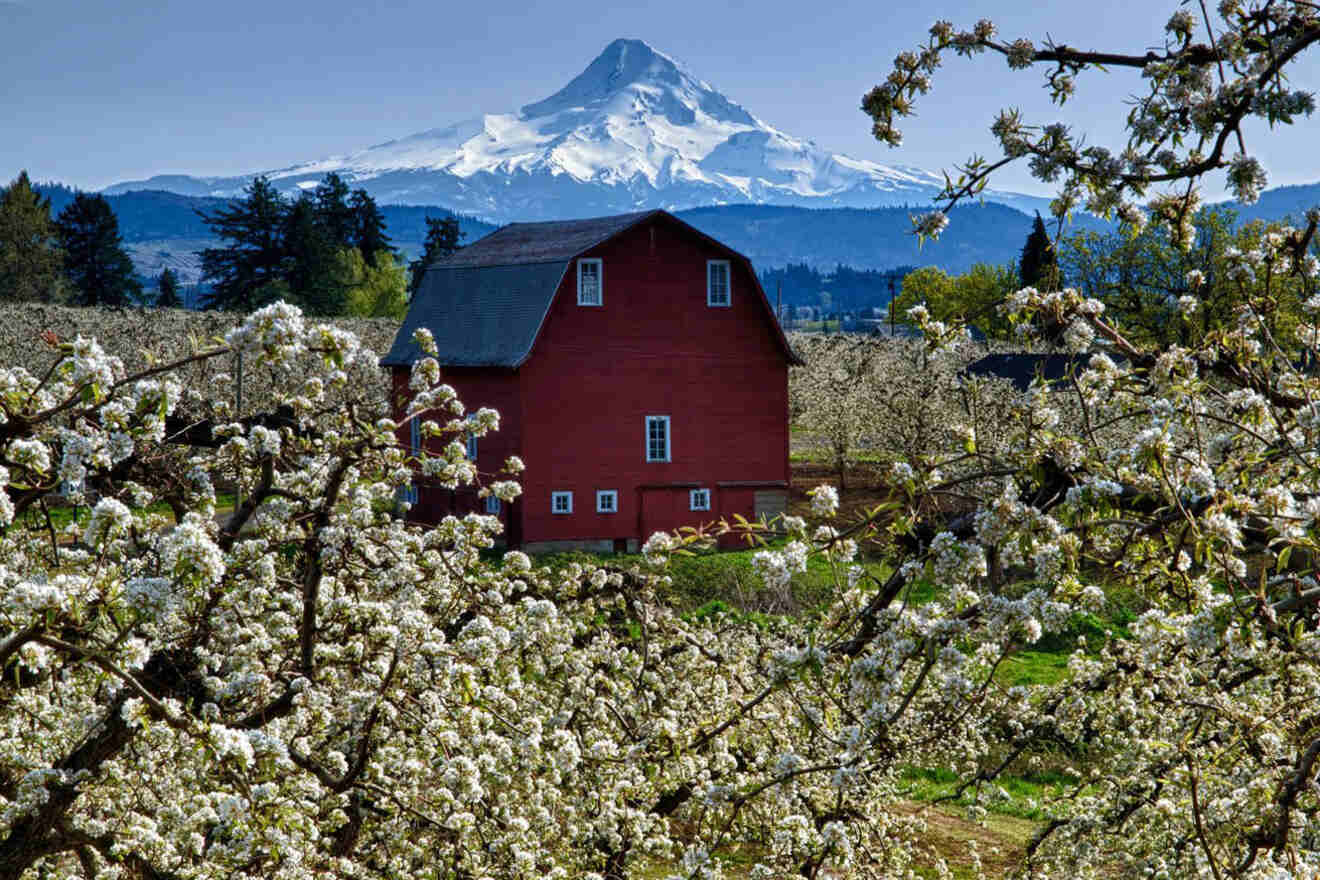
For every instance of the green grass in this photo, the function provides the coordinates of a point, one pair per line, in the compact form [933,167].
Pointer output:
[1034,668]
[62,514]
[820,454]
[1020,796]
[710,582]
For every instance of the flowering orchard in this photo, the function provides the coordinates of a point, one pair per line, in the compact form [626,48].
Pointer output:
[309,686]
[142,338]
[901,405]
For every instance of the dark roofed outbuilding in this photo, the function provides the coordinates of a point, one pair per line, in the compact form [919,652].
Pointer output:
[1023,369]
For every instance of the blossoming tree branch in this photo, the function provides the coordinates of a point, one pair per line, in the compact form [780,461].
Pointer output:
[1214,76]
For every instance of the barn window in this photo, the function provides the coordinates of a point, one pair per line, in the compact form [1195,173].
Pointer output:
[492,505]
[607,501]
[561,502]
[699,499]
[657,438]
[590,283]
[717,282]
[471,450]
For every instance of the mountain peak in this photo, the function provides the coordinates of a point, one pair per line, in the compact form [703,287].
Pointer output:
[631,65]
[635,129]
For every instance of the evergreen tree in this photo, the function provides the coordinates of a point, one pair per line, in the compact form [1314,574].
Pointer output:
[167,286]
[369,235]
[334,211]
[1039,266]
[30,260]
[249,271]
[313,271]
[95,262]
[442,237]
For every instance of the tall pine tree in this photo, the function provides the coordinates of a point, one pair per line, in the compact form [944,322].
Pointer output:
[1039,266]
[30,260]
[95,263]
[314,271]
[250,270]
[442,239]
[369,228]
[167,290]
[337,216]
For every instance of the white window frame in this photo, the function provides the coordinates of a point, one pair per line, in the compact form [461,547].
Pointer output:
[612,495]
[556,497]
[492,505]
[728,285]
[646,438]
[699,499]
[600,282]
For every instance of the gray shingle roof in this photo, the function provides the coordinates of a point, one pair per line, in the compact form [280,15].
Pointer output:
[513,298]
[520,243]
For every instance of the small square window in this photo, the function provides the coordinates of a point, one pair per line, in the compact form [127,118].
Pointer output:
[607,501]
[699,499]
[717,283]
[591,283]
[561,502]
[657,438]
[492,505]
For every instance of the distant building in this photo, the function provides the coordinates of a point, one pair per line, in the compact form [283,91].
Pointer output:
[1023,369]
[637,367]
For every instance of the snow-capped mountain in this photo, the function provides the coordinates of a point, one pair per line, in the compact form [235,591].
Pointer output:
[636,129]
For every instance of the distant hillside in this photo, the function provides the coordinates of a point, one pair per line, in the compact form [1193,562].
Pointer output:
[164,229]
[864,238]
[1290,202]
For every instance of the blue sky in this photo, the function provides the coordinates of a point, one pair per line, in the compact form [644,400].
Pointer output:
[99,91]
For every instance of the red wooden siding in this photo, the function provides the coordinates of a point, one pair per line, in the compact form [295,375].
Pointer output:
[653,348]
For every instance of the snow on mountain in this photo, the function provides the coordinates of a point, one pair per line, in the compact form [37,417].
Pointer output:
[636,129]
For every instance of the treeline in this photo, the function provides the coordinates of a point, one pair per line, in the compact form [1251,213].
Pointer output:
[1158,289]
[842,289]
[157,215]
[328,251]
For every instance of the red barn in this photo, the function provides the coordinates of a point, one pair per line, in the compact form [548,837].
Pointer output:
[637,367]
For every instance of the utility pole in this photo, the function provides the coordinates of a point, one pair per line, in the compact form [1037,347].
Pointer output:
[238,415]
[891,306]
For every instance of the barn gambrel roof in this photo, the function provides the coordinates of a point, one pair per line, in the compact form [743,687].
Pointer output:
[485,304]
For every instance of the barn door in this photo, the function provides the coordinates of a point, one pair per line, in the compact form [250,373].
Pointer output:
[660,511]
